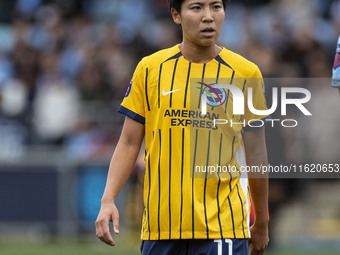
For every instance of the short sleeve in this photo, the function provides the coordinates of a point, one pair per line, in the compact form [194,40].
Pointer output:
[256,87]
[133,102]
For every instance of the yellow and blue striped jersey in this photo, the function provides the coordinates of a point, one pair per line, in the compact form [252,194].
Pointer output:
[182,200]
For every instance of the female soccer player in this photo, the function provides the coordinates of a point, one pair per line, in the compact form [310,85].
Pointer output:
[196,194]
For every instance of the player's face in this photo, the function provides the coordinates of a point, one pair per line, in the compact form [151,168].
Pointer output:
[201,21]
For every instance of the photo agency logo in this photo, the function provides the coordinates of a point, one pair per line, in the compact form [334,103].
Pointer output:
[215,95]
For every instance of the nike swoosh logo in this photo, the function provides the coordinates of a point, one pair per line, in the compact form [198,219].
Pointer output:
[169,92]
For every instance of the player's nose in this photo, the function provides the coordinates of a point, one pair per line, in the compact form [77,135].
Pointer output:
[207,15]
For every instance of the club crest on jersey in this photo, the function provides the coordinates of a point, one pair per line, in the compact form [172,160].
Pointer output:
[215,96]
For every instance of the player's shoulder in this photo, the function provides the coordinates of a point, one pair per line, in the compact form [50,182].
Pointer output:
[160,56]
[242,66]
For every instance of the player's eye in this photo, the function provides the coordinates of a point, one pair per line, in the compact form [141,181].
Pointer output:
[195,7]
[217,7]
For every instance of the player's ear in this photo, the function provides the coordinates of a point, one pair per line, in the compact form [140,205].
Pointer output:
[176,16]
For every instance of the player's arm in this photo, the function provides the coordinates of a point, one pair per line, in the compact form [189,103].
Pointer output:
[256,155]
[122,163]
[336,67]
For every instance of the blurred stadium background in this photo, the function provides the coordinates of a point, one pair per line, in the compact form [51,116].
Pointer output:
[64,68]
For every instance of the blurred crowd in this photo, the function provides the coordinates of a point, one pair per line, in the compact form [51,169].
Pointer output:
[65,64]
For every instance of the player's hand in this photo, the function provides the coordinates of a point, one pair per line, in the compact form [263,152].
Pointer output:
[108,213]
[259,238]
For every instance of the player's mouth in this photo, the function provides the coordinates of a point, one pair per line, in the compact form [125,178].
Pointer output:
[208,32]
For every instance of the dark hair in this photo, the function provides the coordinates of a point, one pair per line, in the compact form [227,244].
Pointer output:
[177,4]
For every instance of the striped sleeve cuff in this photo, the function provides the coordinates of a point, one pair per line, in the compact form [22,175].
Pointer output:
[131,114]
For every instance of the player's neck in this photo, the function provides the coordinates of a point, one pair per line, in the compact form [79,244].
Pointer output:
[199,54]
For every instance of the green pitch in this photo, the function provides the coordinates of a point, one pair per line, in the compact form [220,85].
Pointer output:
[90,248]
[63,248]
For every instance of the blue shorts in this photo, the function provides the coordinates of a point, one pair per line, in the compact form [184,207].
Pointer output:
[195,247]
